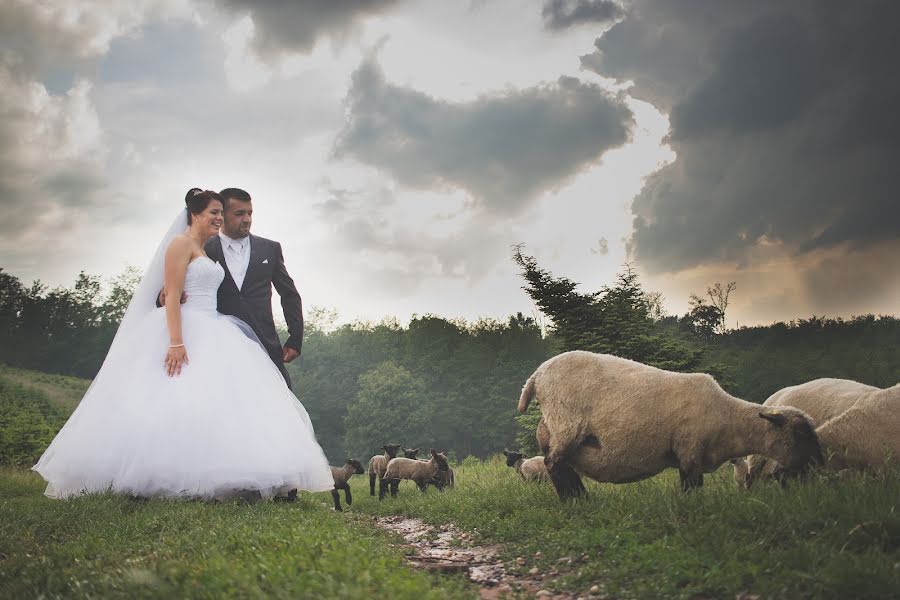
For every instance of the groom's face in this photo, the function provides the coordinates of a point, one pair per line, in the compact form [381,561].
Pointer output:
[238,218]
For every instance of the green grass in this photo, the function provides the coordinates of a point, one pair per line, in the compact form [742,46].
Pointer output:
[62,391]
[112,547]
[832,537]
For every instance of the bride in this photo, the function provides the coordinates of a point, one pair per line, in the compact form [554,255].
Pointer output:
[187,402]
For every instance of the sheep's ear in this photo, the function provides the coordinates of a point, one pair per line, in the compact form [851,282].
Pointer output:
[505,452]
[773,416]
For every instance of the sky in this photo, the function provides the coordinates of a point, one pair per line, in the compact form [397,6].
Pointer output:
[399,149]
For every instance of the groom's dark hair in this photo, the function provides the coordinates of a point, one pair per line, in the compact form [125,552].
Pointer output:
[236,194]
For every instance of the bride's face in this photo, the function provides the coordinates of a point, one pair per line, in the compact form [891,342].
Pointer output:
[211,218]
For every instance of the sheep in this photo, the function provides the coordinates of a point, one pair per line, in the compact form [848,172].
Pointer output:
[865,436]
[378,463]
[341,476]
[823,400]
[617,420]
[443,479]
[531,469]
[419,471]
[411,452]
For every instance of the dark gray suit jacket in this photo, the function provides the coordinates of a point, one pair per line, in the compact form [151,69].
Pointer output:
[253,302]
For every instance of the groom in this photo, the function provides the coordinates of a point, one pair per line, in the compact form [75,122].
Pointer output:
[252,266]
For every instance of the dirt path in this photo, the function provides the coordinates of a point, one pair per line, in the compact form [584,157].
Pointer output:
[448,549]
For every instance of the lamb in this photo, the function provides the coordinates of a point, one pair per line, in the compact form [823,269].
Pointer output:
[443,479]
[411,452]
[341,476]
[378,463]
[617,420]
[531,469]
[419,471]
[822,399]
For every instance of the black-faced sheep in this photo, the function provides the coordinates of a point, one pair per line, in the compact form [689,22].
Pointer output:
[411,452]
[378,463]
[530,469]
[341,477]
[827,400]
[443,479]
[617,420]
[419,471]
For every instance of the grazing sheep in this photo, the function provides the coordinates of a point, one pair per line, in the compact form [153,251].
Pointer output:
[411,452]
[531,469]
[823,400]
[419,471]
[866,436]
[617,420]
[378,463]
[341,476]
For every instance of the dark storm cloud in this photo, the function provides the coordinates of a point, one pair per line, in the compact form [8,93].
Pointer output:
[296,25]
[504,149]
[562,14]
[783,118]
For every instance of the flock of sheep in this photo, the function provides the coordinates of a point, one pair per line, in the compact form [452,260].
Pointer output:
[617,421]
[390,469]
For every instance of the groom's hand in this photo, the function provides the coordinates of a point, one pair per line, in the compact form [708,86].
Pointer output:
[289,354]
[162,297]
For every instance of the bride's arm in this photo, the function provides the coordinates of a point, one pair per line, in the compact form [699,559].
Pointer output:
[178,255]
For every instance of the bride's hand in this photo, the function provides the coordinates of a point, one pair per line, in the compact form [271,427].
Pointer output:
[175,359]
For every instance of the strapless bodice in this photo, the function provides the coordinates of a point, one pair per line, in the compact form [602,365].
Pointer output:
[201,283]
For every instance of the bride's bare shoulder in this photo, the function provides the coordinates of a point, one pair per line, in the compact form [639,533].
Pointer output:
[181,247]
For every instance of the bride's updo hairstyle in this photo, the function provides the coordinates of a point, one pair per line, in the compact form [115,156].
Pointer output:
[197,200]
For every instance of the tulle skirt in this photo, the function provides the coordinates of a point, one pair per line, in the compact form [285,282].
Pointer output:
[227,424]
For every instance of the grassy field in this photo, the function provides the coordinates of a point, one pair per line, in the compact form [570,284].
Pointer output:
[831,537]
[105,546]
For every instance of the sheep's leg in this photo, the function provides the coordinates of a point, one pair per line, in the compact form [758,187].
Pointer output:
[423,487]
[691,477]
[347,495]
[395,485]
[565,479]
[371,483]
[337,500]
[382,488]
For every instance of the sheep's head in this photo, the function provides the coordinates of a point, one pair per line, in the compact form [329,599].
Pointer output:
[512,457]
[441,459]
[357,466]
[411,452]
[790,440]
[391,449]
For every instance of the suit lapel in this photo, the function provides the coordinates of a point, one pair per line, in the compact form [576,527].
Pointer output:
[255,254]
[219,256]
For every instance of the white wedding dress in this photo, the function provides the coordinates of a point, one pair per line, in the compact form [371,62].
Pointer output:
[227,424]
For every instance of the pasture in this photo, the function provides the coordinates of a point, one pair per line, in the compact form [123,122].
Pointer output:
[833,536]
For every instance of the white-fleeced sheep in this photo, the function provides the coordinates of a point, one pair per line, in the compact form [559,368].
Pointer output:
[419,471]
[341,476]
[865,436]
[617,420]
[378,464]
[530,469]
[824,400]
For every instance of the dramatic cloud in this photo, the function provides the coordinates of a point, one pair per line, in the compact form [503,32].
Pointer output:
[503,149]
[297,25]
[562,14]
[784,121]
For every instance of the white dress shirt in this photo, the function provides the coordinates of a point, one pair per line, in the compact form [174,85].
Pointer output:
[237,257]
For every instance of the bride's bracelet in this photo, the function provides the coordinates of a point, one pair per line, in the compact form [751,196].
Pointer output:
[176,345]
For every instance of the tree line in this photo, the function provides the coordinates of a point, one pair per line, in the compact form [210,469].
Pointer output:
[453,384]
